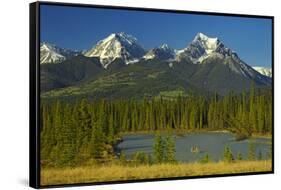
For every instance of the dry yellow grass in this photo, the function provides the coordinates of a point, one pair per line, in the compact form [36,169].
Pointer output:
[86,174]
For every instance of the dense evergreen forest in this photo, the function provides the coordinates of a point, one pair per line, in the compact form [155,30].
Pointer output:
[73,133]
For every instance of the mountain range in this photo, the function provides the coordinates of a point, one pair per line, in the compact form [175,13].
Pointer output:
[118,66]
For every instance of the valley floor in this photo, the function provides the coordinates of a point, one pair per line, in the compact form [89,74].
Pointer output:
[114,172]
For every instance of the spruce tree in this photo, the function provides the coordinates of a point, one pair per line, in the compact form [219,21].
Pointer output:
[239,156]
[97,137]
[111,130]
[158,149]
[84,125]
[170,149]
[67,142]
[227,155]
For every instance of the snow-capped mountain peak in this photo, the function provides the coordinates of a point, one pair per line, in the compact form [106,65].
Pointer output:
[202,47]
[163,52]
[165,47]
[45,46]
[126,38]
[203,37]
[264,71]
[116,45]
[50,53]
[207,43]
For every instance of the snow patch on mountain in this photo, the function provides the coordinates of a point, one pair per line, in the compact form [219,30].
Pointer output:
[264,71]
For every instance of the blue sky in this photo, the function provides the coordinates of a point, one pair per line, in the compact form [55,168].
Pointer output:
[80,28]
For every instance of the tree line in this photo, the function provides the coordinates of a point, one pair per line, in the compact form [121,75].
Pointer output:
[75,132]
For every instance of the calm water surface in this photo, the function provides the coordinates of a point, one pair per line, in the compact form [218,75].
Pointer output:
[211,143]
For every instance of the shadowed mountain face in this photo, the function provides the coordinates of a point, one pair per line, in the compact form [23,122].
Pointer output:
[118,67]
[69,72]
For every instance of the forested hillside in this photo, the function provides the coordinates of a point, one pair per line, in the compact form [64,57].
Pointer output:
[76,132]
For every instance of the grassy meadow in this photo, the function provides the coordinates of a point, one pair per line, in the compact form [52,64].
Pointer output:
[115,172]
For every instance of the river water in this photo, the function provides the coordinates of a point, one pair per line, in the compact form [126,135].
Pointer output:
[211,143]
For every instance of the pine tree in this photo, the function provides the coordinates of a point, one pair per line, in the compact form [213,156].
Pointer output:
[192,119]
[227,155]
[239,156]
[97,137]
[57,127]
[84,125]
[111,131]
[48,141]
[170,149]
[67,142]
[158,149]
[253,118]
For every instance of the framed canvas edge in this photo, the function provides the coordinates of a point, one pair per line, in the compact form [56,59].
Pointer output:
[34,98]
[34,92]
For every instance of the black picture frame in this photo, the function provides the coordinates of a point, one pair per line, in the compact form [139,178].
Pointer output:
[34,90]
